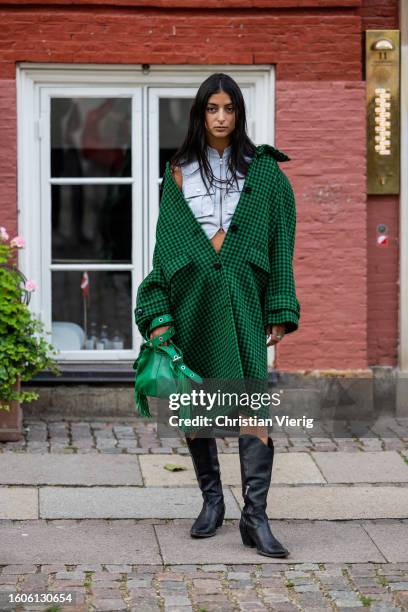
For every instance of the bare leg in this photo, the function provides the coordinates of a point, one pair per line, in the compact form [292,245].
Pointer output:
[193,435]
[260,431]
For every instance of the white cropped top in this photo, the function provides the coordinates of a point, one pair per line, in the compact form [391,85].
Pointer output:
[213,209]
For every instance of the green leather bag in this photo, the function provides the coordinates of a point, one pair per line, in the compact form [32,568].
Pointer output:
[160,369]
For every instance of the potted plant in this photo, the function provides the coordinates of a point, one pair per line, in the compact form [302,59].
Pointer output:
[23,348]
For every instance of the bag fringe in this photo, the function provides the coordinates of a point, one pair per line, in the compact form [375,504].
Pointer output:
[142,404]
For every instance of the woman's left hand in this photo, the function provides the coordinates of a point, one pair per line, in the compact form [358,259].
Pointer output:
[276,333]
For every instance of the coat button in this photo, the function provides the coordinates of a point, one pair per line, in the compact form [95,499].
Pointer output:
[139,311]
[217,265]
[234,227]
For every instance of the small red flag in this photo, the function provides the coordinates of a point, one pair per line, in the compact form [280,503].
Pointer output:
[85,284]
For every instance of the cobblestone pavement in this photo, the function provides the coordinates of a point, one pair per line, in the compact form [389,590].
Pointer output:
[200,588]
[280,586]
[134,435]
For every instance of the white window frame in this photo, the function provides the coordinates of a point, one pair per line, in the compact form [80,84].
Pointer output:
[36,83]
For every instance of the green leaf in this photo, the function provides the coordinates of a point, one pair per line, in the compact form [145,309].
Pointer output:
[174,467]
[24,350]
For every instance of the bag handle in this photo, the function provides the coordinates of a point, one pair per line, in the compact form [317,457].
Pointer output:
[173,352]
[160,320]
[158,340]
[178,362]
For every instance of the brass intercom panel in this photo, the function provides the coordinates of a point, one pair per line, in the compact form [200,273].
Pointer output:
[383,111]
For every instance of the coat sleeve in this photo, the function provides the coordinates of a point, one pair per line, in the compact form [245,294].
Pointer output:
[152,298]
[281,304]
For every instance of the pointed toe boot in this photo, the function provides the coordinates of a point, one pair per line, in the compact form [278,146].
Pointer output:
[256,460]
[204,455]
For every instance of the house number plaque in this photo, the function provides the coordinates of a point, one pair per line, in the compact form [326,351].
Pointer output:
[383,109]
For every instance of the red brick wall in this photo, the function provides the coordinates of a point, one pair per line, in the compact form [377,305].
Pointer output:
[327,171]
[8,156]
[303,46]
[380,14]
[318,50]
[383,282]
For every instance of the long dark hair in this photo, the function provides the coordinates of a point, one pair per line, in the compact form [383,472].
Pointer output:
[195,142]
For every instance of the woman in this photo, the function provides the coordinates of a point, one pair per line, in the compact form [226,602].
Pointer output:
[222,275]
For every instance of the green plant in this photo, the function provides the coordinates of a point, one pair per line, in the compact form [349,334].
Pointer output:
[88,580]
[23,349]
[383,580]
[366,601]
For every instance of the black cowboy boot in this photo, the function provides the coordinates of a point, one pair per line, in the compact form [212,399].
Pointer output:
[207,468]
[256,470]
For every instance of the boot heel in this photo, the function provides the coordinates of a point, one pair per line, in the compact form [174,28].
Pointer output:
[246,539]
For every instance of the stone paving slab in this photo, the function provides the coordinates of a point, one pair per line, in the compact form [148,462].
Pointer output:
[289,468]
[99,469]
[17,503]
[39,542]
[344,467]
[126,502]
[335,502]
[392,539]
[307,542]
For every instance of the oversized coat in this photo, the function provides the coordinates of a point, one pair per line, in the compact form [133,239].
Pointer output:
[221,302]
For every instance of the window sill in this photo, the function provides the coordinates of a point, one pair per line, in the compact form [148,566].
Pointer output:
[95,372]
[92,372]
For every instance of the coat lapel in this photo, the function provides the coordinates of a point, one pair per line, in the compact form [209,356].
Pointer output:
[196,227]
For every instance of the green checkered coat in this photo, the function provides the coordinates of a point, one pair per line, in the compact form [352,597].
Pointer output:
[222,301]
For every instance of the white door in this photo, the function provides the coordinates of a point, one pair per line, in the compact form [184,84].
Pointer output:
[91,213]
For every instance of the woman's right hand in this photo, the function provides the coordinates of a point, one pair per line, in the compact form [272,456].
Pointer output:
[158,331]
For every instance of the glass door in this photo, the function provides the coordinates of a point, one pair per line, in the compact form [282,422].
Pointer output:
[91,220]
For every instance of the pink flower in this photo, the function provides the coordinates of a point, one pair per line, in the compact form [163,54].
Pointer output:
[30,285]
[3,234]
[18,241]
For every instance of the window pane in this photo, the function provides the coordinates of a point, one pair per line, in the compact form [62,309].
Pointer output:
[91,223]
[90,137]
[173,125]
[98,317]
